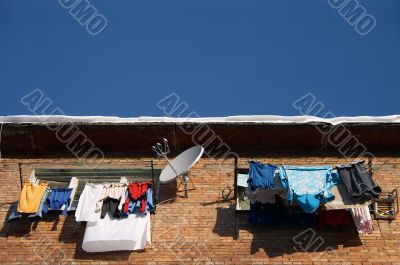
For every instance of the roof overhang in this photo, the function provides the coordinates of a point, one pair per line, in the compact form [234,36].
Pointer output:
[39,136]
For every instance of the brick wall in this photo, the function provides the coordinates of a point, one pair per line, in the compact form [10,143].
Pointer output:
[200,230]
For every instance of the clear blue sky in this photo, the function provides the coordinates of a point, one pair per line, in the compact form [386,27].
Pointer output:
[222,57]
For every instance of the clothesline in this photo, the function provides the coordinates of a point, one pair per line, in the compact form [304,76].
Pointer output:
[368,164]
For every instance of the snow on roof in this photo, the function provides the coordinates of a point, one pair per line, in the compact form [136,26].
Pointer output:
[267,119]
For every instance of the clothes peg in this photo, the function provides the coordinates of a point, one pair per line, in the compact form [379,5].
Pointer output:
[33,179]
[123,180]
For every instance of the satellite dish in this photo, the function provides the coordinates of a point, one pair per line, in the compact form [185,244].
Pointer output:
[181,165]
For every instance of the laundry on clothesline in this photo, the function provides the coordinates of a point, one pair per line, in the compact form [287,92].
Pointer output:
[276,189]
[107,208]
[86,209]
[362,219]
[358,182]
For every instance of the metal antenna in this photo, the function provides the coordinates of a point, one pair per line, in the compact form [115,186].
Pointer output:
[166,146]
[163,151]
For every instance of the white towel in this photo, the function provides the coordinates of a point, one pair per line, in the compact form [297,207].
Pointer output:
[86,209]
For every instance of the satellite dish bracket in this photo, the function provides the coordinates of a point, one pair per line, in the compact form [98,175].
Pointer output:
[185,181]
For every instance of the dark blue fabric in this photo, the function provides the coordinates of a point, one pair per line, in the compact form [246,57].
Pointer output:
[261,175]
[57,198]
[269,214]
[265,214]
[14,216]
[358,182]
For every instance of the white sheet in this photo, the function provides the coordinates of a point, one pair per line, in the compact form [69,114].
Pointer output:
[110,234]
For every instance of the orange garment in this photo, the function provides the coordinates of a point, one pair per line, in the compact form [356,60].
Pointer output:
[31,195]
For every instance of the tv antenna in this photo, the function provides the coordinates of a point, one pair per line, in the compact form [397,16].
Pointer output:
[180,166]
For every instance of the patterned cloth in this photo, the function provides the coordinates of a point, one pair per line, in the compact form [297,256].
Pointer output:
[308,185]
[362,219]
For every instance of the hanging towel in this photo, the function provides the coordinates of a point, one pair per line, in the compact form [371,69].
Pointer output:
[358,182]
[86,209]
[110,234]
[362,219]
[309,186]
[31,195]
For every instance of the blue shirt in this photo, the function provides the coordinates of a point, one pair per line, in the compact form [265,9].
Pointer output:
[261,175]
[57,198]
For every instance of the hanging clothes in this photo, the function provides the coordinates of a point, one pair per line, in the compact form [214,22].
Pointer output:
[39,213]
[110,205]
[57,198]
[29,202]
[308,186]
[269,214]
[73,184]
[14,216]
[261,175]
[136,198]
[342,198]
[264,195]
[149,200]
[333,218]
[30,197]
[114,191]
[276,215]
[86,209]
[111,234]
[264,183]
[358,182]
[362,219]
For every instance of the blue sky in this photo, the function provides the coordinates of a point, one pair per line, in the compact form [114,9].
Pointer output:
[221,57]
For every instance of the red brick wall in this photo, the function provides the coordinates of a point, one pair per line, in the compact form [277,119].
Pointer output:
[200,230]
